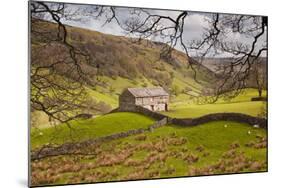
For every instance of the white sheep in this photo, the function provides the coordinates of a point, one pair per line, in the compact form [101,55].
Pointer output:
[256,126]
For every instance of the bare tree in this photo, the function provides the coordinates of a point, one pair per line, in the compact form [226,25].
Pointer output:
[59,70]
[243,55]
[259,72]
[145,24]
[215,41]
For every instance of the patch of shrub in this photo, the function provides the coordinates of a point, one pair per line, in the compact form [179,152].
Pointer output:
[191,158]
[234,145]
[259,144]
[200,148]
[176,141]
[140,137]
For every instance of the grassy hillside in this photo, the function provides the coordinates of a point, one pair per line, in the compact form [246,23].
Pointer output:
[118,122]
[186,107]
[170,151]
[117,63]
[121,62]
[80,130]
[193,110]
[124,63]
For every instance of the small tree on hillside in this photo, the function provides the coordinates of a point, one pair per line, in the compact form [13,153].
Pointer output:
[259,73]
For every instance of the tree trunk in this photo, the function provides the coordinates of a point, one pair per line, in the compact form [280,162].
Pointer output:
[260,92]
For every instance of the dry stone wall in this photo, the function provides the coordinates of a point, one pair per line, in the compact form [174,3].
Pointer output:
[71,148]
[237,117]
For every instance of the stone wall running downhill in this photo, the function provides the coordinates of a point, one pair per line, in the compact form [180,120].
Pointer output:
[71,148]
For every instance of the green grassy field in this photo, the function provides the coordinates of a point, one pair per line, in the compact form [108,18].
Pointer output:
[170,151]
[191,110]
[88,129]
[184,107]
[112,123]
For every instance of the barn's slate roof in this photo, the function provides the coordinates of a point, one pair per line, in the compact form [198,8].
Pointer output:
[148,92]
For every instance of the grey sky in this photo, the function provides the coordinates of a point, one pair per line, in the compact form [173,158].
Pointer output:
[195,23]
[192,30]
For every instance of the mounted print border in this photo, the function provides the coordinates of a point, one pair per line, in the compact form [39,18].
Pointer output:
[128,93]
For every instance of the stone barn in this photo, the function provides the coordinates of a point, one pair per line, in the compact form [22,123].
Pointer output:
[154,99]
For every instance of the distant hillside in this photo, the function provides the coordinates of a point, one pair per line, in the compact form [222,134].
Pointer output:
[121,62]
[216,64]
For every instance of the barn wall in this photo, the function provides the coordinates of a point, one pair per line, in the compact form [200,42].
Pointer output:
[152,100]
[139,101]
[128,102]
[127,107]
[155,107]
[147,101]
[147,107]
[159,107]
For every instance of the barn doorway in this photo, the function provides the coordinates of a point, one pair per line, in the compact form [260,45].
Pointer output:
[152,107]
[166,107]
